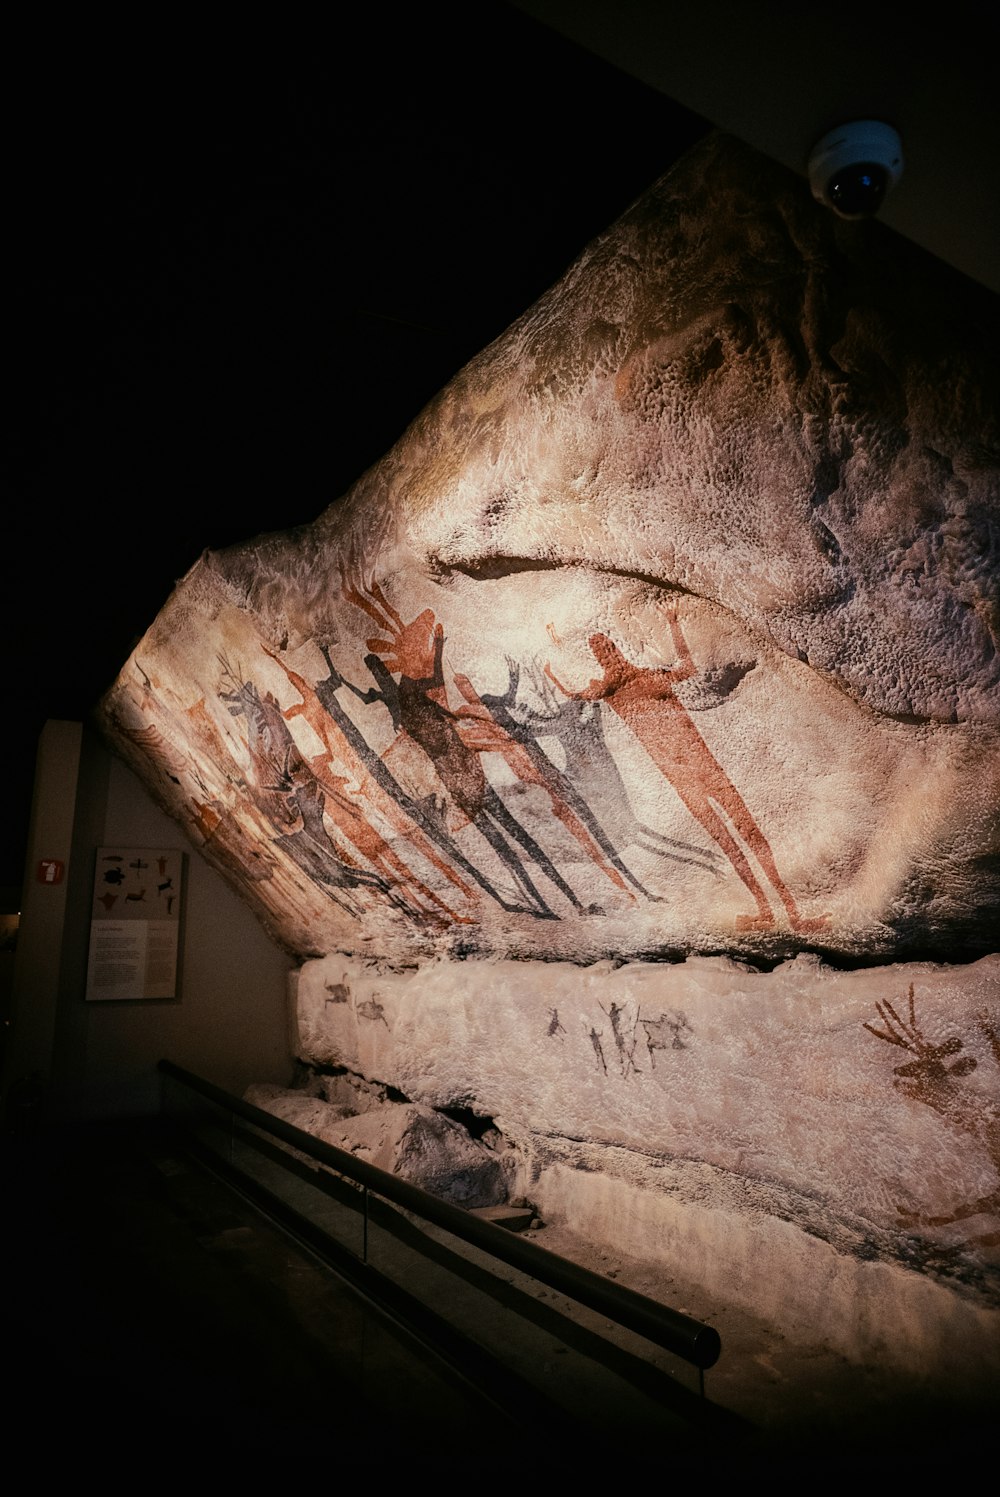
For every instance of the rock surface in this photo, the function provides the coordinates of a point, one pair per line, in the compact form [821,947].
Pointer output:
[814,1145]
[669,629]
[670,626]
[412,1141]
[776,1082]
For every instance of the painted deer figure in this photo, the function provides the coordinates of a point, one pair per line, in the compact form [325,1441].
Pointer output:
[934,1079]
[291,798]
[345,748]
[927,1078]
[419,707]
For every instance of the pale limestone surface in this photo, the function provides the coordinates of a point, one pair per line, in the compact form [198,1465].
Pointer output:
[669,626]
[808,1142]
[406,1139]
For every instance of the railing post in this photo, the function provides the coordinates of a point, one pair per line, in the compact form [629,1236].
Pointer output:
[364,1255]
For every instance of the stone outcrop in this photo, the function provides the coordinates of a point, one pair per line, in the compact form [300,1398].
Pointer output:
[413,1141]
[668,630]
[771,1132]
[671,625]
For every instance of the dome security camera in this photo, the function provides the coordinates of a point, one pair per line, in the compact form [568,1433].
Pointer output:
[853,167]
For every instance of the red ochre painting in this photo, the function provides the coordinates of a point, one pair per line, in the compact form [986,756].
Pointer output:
[380,784]
[668,627]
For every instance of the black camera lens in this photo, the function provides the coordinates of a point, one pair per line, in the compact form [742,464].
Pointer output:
[858,190]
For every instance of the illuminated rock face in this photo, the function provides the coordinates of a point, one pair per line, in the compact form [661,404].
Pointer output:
[669,626]
[668,629]
[801,1140]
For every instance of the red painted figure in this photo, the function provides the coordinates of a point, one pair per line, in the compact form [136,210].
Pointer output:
[646,701]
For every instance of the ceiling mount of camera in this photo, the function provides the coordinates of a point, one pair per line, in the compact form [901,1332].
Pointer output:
[852,168]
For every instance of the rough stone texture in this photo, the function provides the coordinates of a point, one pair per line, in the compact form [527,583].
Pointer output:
[669,626]
[815,1144]
[405,1139]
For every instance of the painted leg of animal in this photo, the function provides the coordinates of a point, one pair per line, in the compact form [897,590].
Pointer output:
[345,745]
[345,813]
[485,826]
[495,808]
[432,833]
[654,841]
[487,727]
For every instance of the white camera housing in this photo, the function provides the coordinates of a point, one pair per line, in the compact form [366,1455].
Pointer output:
[853,167]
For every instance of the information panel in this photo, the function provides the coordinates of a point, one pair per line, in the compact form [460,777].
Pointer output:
[135,923]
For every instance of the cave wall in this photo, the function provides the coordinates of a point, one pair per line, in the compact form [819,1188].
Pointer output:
[669,626]
[668,631]
[787,1137]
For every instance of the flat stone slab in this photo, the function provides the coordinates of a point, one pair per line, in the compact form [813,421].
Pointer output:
[861,1106]
[514,1218]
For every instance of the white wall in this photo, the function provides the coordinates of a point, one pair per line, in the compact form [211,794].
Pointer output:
[230,1020]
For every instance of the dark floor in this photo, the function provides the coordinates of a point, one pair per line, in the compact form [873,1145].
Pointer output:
[150,1315]
[149,1309]
[147,1305]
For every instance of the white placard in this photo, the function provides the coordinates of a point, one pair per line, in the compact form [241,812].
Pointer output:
[135,923]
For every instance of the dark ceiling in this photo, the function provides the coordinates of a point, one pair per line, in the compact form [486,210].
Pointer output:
[239,274]
[242,264]
[780,74]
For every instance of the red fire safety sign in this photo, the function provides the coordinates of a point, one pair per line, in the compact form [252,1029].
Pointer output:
[50,871]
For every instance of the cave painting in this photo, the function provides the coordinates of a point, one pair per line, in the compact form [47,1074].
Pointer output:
[482,727]
[345,747]
[419,708]
[933,1079]
[345,795]
[591,774]
[360,831]
[773,457]
[292,799]
[595,1036]
[666,1033]
[645,699]
[419,711]
[625,1036]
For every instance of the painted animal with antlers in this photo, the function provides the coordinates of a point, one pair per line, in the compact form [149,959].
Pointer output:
[933,1078]
[419,707]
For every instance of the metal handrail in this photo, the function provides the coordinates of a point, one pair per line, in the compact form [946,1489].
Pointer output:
[676,1332]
